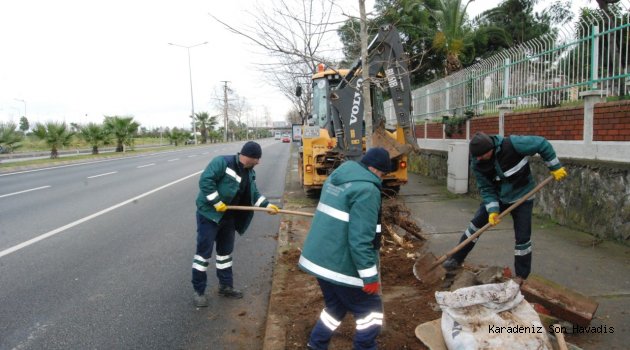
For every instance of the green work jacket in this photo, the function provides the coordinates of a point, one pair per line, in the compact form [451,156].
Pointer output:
[340,246]
[507,176]
[220,183]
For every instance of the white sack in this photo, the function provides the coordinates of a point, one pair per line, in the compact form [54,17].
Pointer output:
[490,316]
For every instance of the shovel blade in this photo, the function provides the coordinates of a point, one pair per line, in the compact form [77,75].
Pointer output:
[428,270]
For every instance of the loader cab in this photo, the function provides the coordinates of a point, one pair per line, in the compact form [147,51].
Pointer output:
[324,81]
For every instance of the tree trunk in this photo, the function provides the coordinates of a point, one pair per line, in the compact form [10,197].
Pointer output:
[365,74]
[119,147]
[94,149]
[452,64]
[54,154]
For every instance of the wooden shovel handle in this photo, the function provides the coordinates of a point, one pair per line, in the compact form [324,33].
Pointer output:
[562,344]
[281,211]
[488,225]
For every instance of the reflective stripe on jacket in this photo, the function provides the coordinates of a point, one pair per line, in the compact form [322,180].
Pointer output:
[220,182]
[340,244]
[507,177]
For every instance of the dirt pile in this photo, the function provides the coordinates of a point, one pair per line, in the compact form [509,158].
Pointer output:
[407,302]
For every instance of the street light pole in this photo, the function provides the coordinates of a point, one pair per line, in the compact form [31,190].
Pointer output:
[192,102]
[17,99]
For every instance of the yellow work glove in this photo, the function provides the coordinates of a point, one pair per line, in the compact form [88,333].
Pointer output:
[275,209]
[220,207]
[493,219]
[559,174]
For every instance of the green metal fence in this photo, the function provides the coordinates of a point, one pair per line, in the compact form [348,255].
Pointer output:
[591,54]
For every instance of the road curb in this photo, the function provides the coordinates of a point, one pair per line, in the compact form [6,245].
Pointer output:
[275,336]
[275,333]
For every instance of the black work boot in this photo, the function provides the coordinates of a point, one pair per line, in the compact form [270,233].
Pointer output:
[230,292]
[451,264]
[200,300]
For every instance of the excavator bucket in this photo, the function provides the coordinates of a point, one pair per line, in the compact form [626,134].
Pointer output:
[395,149]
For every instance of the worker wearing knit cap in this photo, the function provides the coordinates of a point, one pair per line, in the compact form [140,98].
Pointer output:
[480,144]
[341,250]
[501,168]
[251,149]
[227,180]
[378,158]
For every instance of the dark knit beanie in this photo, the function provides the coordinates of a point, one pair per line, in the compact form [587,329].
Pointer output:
[480,144]
[378,158]
[252,150]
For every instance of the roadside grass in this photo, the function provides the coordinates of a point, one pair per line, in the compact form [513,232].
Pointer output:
[69,159]
[31,143]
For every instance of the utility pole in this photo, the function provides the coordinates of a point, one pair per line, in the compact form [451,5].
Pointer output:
[192,102]
[225,110]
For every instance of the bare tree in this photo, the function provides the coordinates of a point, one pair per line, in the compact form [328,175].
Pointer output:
[297,35]
[222,100]
[367,108]
[267,117]
[239,107]
[293,117]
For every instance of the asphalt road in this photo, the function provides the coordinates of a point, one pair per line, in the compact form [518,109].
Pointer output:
[98,256]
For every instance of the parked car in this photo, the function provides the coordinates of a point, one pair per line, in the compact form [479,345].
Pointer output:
[286,139]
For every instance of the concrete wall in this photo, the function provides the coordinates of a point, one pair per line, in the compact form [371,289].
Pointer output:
[595,198]
[591,141]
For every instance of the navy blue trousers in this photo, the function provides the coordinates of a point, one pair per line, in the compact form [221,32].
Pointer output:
[366,308]
[209,232]
[522,217]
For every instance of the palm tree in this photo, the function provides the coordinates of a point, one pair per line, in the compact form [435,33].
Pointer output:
[215,135]
[452,34]
[95,135]
[202,125]
[123,129]
[177,136]
[9,137]
[205,124]
[55,135]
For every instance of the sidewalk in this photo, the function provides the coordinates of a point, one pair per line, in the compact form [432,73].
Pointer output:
[562,255]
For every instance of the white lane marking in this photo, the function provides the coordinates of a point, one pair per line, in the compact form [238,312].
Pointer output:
[173,160]
[192,155]
[25,244]
[32,189]
[144,166]
[69,165]
[86,163]
[99,175]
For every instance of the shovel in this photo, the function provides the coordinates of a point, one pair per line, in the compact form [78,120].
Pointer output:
[428,269]
[281,211]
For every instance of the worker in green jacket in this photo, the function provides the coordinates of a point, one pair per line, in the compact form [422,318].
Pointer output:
[227,180]
[341,249]
[501,168]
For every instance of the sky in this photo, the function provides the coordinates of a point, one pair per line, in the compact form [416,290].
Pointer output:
[77,61]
